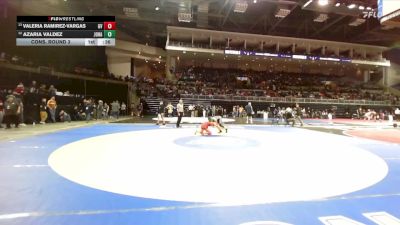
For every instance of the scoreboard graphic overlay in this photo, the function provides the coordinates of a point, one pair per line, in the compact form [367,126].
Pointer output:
[66,30]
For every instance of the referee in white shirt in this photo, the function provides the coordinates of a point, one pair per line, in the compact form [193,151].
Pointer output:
[179,110]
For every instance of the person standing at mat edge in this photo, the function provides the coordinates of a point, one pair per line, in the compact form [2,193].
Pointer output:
[249,112]
[160,113]
[299,114]
[179,110]
[397,114]
[1,112]
[43,111]
[52,106]
[12,110]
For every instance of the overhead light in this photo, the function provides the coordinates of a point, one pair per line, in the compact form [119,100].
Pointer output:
[240,6]
[369,8]
[157,8]
[131,12]
[361,7]
[352,6]
[321,18]
[254,1]
[337,4]
[185,12]
[282,13]
[185,17]
[323,2]
[307,3]
[357,22]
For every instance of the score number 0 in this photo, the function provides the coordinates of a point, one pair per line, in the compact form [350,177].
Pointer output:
[109,31]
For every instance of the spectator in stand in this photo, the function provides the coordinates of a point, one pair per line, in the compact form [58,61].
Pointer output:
[75,115]
[160,113]
[106,110]
[1,112]
[52,91]
[3,57]
[64,117]
[33,88]
[88,109]
[359,113]
[12,111]
[100,110]
[123,109]
[213,110]
[191,110]
[289,116]
[42,90]
[119,108]
[20,89]
[15,59]
[18,99]
[204,110]
[31,107]
[43,111]
[132,109]
[94,109]
[241,112]
[115,107]
[170,109]
[298,114]
[140,109]
[397,114]
[52,106]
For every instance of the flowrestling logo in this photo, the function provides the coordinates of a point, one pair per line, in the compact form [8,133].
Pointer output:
[369,14]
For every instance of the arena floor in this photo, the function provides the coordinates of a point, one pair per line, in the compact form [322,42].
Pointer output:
[327,172]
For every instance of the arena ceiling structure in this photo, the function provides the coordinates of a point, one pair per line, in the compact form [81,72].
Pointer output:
[146,20]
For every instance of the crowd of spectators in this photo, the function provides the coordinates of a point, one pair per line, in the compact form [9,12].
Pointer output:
[234,82]
[42,105]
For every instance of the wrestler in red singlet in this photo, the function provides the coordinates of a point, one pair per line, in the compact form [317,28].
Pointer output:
[204,127]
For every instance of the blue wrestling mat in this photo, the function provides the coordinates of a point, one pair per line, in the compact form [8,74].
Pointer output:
[146,175]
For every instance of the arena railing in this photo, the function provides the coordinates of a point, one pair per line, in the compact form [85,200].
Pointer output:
[222,47]
[285,100]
